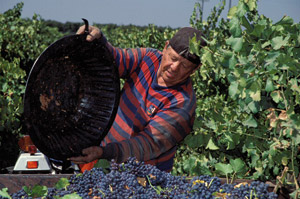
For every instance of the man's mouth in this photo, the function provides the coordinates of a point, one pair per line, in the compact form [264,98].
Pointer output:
[170,74]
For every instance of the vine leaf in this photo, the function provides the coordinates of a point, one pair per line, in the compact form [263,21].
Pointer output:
[232,12]
[276,96]
[258,30]
[297,138]
[278,42]
[224,168]
[251,4]
[235,43]
[4,193]
[269,85]
[234,27]
[62,183]
[250,122]
[238,165]
[195,141]
[71,196]
[233,89]
[241,9]
[211,145]
[36,191]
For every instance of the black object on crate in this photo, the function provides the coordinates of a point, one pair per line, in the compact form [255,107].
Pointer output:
[71,96]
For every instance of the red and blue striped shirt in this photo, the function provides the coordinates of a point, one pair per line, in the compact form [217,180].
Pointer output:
[151,119]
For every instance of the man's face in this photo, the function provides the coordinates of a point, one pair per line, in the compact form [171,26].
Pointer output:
[174,69]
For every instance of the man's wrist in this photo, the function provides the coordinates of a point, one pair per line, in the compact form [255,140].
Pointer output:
[109,152]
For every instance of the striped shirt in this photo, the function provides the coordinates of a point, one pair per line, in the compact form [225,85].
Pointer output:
[151,119]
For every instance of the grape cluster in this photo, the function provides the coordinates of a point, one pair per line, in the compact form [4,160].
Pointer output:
[134,179]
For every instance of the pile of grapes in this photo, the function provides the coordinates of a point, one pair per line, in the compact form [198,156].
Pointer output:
[135,179]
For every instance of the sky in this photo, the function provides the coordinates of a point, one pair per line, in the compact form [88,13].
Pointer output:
[166,13]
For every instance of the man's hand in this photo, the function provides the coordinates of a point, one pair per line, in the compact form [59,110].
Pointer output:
[89,154]
[94,32]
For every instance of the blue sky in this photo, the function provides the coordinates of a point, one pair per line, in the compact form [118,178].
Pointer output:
[173,13]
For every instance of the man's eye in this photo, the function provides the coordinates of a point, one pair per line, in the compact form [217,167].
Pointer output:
[184,66]
[173,58]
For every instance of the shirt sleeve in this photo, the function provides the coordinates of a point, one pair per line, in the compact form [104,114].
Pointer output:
[127,60]
[166,129]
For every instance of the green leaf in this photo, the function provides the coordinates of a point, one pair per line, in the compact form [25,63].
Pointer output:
[295,119]
[102,163]
[255,91]
[4,193]
[296,138]
[195,141]
[27,189]
[207,57]
[62,183]
[246,24]
[258,30]
[39,191]
[241,9]
[254,106]
[285,160]
[201,169]
[36,191]
[232,64]
[294,85]
[224,169]
[71,196]
[285,20]
[238,165]
[194,46]
[5,87]
[295,194]
[189,164]
[234,27]
[272,56]
[278,42]
[235,43]
[231,140]
[211,145]
[276,96]
[256,95]
[251,4]
[269,85]
[254,157]
[250,122]
[242,82]
[233,89]
[232,12]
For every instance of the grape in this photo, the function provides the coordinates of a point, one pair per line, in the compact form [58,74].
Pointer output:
[137,180]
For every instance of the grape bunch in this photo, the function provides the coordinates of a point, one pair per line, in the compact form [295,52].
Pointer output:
[137,180]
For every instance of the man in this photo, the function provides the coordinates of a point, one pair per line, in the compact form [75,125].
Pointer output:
[157,103]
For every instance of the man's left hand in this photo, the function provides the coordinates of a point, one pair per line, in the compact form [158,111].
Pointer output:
[89,154]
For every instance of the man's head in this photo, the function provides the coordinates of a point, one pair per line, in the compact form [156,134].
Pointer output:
[180,42]
[178,63]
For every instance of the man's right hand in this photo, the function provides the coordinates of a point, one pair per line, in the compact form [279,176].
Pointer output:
[94,32]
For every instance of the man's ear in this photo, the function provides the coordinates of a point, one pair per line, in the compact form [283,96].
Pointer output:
[167,43]
[166,46]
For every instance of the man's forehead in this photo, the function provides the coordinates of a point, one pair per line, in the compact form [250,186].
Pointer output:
[179,57]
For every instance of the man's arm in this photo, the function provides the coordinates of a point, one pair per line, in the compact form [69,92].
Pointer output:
[127,60]
[163,132]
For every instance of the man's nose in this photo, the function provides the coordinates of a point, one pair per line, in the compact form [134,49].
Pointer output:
[175,66]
